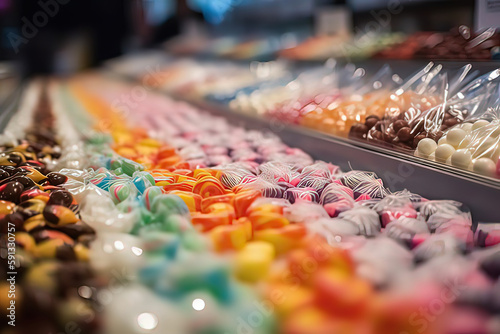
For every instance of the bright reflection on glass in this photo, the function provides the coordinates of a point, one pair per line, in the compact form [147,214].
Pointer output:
[198,304]
[119,245]
[147,321]
[85,291]
[137,251]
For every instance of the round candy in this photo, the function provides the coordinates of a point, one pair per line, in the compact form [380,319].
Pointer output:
[455,136]
[150,194]
[443,152]
[467,127]
[426,146]
[60,197]
[485,166]
[461,158]
[120,191]
[208,186]
[11,191]
[479,124]
[56,179]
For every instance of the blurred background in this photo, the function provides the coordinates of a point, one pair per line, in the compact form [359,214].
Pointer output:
[64,36]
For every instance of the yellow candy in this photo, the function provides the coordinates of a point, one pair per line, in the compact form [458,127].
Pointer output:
[82,252]
[150,142]
[228,237]
[254,261]
[283,239]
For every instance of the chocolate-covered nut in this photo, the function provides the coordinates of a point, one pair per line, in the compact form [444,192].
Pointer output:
[399,124]
[371,120]
[56,179]
[404,134]
[450,122]
[60,197]
[358,130]
[377,135]
[11,191]
[4,174]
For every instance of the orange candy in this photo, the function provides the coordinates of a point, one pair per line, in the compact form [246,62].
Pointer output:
[207,221]
[283,239]
[264,220]
[228,237]
[208,186]
[243,200]
[192,200]
[206,202]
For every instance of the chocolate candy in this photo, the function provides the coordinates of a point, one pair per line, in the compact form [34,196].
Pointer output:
[60,197]
[56,179]
[11,191]
[59,215]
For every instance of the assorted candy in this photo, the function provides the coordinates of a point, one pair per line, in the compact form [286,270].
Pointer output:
[172,220]
[40,220]
[340,100]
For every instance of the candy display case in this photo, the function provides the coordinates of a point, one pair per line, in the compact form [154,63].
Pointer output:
[406,168]
[165,216]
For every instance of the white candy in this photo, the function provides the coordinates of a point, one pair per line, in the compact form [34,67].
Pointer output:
[479,124]
[455,136]
[443,152]
[442,140]
[467,127]
[461,158]
[485,166]
[426,146]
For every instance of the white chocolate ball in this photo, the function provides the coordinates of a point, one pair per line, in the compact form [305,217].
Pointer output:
[443,152]
[442,140]
[426,146]
[455,136]
[479,124]
[485,166]
[467,127]
[461,158]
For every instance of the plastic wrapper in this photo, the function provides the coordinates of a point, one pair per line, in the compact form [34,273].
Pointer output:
[365,219]
[336,198]
[359,99]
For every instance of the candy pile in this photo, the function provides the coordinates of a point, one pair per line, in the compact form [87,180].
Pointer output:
[43,241]
[320,250]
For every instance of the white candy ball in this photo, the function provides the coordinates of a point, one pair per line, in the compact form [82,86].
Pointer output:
[443,152]
[455,136]
[485,166]
[467,127]
[479,124]
[461,158]
[426,146]
[442,140]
